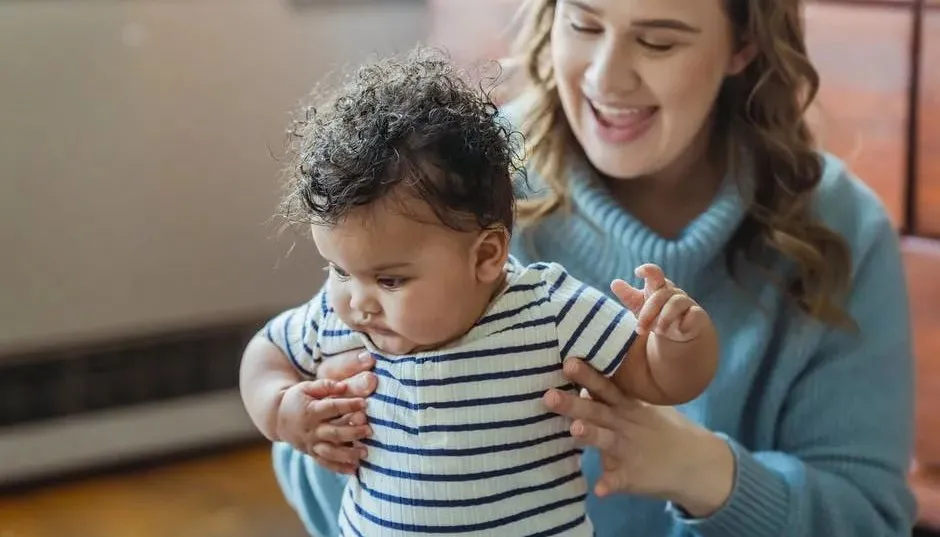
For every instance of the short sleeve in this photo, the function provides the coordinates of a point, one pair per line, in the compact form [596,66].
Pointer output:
[590,325]
[295,332]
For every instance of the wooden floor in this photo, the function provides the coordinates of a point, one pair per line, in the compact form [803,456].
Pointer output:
[230,494]
[227,494]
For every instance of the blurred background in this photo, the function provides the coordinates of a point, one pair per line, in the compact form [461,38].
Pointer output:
[138,173]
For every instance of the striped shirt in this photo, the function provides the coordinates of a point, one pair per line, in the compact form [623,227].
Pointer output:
[462,444]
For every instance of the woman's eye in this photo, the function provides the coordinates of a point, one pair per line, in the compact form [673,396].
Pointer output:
[583,28]
[656,47]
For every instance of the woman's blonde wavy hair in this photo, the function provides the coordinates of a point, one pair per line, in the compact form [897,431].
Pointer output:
[760,111]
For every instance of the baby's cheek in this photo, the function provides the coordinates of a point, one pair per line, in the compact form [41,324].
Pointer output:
[337,298]
[419,321]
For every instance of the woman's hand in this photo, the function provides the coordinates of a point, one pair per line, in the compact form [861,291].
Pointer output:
[353,369]
[646,450]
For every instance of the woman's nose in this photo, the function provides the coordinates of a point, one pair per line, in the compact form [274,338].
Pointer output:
[612,72]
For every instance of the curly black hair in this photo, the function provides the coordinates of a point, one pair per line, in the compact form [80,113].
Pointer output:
[412,126]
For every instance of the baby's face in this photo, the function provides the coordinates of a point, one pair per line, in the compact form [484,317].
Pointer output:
[409,285]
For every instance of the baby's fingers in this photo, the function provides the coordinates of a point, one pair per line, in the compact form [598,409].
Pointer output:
[693,320]
[651,310]
[356,418]
[347,455]
[340,434]
[676,307]
[322,388]
[337,467]
[655,279]
[328,409]
[630,296]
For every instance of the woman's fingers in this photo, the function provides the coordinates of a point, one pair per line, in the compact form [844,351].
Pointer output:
[568,404]
[345,365]
[608,483]
[589,434]
[600,387]
[361,384]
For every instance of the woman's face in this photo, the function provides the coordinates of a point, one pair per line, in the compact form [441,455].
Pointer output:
[638,79]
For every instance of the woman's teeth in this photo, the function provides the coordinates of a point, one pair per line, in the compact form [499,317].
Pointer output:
[621,115]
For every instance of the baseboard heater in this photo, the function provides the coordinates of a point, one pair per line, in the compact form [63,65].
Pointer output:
[113,403]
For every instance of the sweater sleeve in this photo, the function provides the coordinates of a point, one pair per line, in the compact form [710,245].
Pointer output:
[845,431]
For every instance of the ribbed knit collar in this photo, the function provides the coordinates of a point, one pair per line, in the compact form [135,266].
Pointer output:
[620,240]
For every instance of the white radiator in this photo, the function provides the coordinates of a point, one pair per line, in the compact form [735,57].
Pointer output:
[136,185]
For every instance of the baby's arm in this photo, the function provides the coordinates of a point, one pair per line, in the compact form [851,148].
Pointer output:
[676,352]
[285,406]
[616,340]
[264,377]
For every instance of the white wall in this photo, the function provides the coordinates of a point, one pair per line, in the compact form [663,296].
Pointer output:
[135,175]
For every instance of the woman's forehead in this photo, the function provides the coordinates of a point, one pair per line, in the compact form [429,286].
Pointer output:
[630,12]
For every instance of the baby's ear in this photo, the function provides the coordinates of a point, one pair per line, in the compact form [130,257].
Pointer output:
[490,254]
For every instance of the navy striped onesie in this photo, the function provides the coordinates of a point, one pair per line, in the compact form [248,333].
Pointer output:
[462,443]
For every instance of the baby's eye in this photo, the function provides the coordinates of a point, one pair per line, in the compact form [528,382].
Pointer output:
[391,283]
[340,273]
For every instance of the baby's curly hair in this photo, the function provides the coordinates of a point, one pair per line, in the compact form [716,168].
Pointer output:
[410,126]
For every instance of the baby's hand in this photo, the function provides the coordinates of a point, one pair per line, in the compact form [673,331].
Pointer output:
[313,422]
[661,307]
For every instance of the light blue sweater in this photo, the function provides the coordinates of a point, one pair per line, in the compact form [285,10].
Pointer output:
[820,421]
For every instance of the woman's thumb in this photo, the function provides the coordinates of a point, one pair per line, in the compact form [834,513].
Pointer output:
[345,365]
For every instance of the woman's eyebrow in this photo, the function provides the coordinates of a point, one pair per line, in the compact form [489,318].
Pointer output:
[668,24]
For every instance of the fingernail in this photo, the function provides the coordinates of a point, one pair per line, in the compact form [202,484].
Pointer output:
[365,357]
[356,384]
[577,428]
[363,453]
[552,399]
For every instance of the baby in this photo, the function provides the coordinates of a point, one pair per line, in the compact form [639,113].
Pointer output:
[406,179]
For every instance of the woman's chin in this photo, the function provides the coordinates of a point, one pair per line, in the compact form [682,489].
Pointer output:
[620,166]
[618,162]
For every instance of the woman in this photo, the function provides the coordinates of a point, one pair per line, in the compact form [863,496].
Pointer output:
[673,132]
